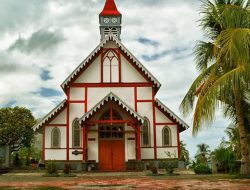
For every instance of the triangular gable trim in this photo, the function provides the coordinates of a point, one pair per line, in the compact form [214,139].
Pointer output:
[111,96]
[50,115]
[98,48]
[172,114]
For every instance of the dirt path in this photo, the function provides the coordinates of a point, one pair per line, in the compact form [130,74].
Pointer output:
[132,182]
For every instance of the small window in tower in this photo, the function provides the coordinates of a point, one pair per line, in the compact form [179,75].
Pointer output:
[110,67]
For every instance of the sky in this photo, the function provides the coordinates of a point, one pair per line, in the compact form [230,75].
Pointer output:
[43,41]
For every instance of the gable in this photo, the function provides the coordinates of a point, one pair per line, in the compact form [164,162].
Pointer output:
[92,72]
[129,73]
[115,43]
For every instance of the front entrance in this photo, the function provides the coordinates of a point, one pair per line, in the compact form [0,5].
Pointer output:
[111,148]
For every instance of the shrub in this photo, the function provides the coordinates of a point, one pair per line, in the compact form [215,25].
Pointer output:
[51,167]
[153,169]
[169,166]
[67,168]
[202,169]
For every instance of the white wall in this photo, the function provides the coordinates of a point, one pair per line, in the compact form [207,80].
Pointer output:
[147,153]
[55,154]
[162,153]
[95,95]
[76,111]
[48,131]
[77,93]
[144,93]
[145,109]
[92,74]
[160,117]
[61,118]
[93,153]
[129,73]
[173,130]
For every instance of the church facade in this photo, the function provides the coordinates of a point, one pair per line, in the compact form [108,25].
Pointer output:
[111,118]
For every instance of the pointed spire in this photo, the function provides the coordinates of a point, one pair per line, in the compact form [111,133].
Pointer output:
[110,9]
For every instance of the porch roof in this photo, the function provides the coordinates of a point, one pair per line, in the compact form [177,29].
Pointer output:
[111,97]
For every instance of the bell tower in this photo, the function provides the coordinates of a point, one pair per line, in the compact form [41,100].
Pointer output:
[110,20]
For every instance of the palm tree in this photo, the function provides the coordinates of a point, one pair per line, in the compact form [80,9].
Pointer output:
[184,153]
[234,140]
[203,153]
[225,70]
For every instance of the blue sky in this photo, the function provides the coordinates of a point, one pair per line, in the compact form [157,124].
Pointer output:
[42,41]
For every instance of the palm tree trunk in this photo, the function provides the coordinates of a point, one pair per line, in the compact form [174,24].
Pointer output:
[245,159]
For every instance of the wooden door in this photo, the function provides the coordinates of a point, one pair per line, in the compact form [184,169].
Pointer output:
[112,155]
[111,148]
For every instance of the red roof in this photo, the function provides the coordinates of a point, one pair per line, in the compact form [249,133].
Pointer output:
[110,9]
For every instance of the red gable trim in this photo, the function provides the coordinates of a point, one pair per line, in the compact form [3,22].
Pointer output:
[110,9]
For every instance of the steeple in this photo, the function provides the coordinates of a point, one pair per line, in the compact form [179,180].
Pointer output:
[110,20]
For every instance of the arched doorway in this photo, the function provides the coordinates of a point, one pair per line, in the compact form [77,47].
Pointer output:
[111,143]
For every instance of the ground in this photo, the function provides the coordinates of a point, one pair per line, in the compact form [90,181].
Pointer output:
[126,180]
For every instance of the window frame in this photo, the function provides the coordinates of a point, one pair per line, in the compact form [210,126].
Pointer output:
[148,133]
[76,121]
[169,136]
[52,138]
[116,60]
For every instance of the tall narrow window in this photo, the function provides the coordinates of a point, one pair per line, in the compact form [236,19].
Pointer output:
[56,138]
[166,136]
[110,67]
[145,133]
[76,133]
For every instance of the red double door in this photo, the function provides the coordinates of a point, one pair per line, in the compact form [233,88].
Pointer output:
[111,155]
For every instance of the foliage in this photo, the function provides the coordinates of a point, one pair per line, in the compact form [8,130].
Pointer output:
[153,168]
[17,161]
[202,154]
[232,132]
[184,153]
[224,67]
[51,167]
[169,165]
[202,169]
[16,127]
[67,168]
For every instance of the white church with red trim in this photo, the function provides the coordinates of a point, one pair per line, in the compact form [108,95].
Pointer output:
[111,118]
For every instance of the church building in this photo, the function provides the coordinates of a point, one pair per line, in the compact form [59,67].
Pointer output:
[111,119]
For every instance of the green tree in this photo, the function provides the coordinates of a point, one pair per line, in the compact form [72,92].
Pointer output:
[202,154]
[16,127]
[233,143]
[184,153]
[225,157]
[224,65]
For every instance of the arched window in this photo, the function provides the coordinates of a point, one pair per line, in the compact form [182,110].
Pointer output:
[166,136]
[110,67]
[76,133]
[145,133]
[55,138]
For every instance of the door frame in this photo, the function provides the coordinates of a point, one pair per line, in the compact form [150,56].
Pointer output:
[121,139]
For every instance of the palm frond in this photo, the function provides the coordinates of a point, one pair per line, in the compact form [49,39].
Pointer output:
[204,54]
